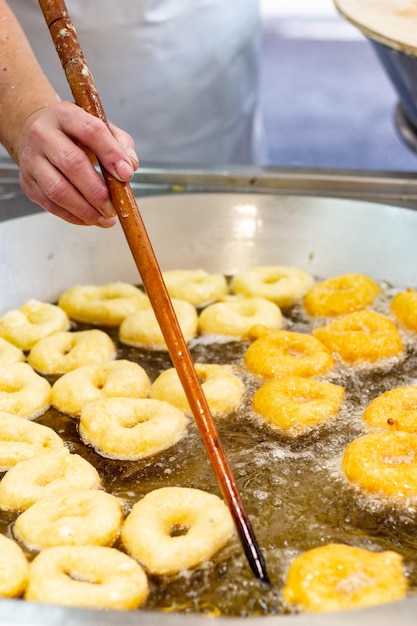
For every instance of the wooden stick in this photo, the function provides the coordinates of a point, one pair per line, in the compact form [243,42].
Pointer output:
[85,94]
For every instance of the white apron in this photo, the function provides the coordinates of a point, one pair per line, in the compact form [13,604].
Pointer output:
[181,76]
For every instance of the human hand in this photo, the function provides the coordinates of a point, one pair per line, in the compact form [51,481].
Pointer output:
[57,173]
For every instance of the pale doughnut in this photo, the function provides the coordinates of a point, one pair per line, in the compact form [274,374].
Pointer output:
[295,404]
[103,305]
[281,284]
[53,473]
[341,294]
[404,307]
[338,577]
[176,528]
[65,351]
[361,336]
[94,577]
[21,440]
[9,353]
[120,378]
[141,329]
[396,409]
[14,569]
[235,317]
[23,392]
[222,388]
[77,517]
[33,321]
[383,462]
[277,353]
[195,286]
[130,428]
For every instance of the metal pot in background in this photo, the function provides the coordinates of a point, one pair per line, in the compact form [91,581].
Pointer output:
[219,232]
[396,51]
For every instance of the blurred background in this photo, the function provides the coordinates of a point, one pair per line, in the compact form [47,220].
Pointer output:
[326,100]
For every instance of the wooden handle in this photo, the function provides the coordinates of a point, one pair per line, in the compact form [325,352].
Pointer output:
[85,94]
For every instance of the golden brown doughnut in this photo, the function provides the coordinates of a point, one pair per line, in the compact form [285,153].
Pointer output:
[396,409]
[277,353]
[130,428]
[235,317]
[14,569]
[338,577]
[341,294]
[94,577]
[404,307]
[65,351]
[33,321]
[101,305]
[77,517]
[361,336]
[29,481]
[383,462]
[141,329]
[21,439]
[119,378]
[222,389]
[295,404]
[175,528]
[195,286]
[281,284]
[23,392]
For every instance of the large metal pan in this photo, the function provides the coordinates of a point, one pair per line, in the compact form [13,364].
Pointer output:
[40,256]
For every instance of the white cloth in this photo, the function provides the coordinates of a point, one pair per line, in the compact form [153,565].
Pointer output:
[181,76]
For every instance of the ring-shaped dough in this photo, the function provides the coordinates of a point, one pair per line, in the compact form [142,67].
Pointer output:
[383,462]
[141,329]
[14,569]
[295,404]
[236,316]
[341,294]
[101,305]
[404,307]
[94,577]
[361,336]
[338,577]
[23,392]
[66,350]
[53,473]
[21,439]
[176,528]
[33,321]
[283,285]
[130,428]
[195,286]
[119,378]
[9,353]
[222,388]
[278,353]
[78,517]
[396,409]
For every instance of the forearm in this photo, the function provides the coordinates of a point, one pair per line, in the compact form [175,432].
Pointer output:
[24,88]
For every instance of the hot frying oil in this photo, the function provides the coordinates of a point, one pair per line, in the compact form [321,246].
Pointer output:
[293,488]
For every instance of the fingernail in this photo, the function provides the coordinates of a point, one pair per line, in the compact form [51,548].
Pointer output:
[107,209]
[134,158]
[106,222]
[124,170]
